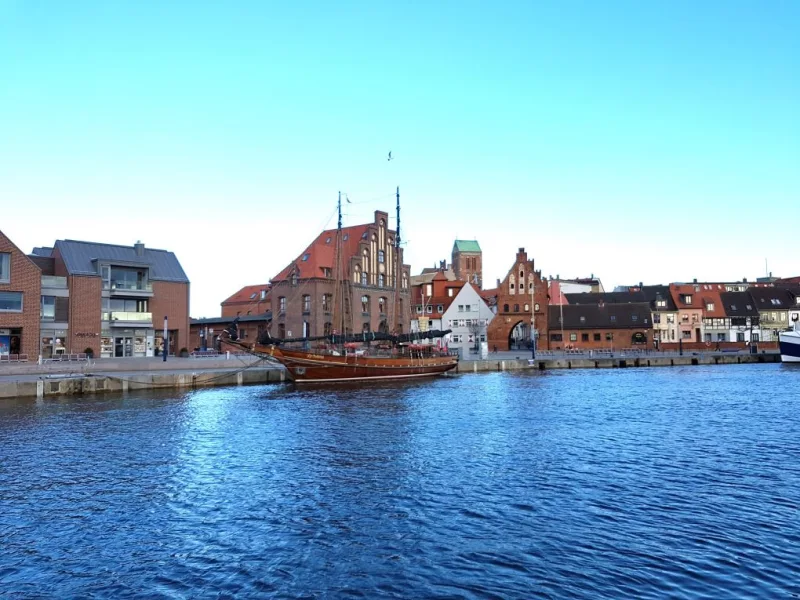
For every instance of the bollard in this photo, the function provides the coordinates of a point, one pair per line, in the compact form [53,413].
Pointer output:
[227,354]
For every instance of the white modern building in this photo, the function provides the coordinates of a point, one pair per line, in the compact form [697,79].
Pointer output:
[468,316]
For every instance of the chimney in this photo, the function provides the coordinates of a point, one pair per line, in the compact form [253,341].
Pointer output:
[694,280]
[498,283]
[640,285]
[744,280]
[139,248]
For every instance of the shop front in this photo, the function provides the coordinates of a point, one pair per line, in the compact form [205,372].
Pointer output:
[10,341]
[53,343]
[126,343]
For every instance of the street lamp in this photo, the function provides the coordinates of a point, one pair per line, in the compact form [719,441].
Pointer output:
[533,317]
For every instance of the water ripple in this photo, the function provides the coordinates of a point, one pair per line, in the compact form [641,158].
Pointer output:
[652,483]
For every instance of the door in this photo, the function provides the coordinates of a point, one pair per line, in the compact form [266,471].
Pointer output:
[119,347]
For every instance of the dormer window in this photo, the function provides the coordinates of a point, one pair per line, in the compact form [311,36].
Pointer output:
[294,277]
[327,240]
[306,257]
[710,306]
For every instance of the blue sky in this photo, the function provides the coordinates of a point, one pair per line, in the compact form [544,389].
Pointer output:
[636,141]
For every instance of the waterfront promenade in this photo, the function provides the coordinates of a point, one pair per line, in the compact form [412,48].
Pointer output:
[121,375]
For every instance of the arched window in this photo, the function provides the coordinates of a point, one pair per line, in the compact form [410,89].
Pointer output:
[516,308]
[405,281]
[381,256]
[328,328]
[364,277]
[365,303]
[382,305]
[505,308]
[356,274]
[527,308]
[380,280]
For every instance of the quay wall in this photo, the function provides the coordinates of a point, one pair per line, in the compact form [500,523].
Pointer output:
[70,384]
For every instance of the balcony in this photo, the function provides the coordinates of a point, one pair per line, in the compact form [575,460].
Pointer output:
[129,288]
[52,282]
[128,319]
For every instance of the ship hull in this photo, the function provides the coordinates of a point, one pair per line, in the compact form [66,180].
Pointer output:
[310,367]
[790,346]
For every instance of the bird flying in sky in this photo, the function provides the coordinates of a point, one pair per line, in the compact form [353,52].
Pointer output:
[390,155]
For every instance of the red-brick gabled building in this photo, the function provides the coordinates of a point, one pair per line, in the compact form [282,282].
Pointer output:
[302,294]
[433,298]
[513,302]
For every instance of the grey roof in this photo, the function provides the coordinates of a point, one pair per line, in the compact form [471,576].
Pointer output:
[635,315]
[79,259]
[738,304]
[772,298]
[42,251]
[653,293]
[267,316]
[606,297]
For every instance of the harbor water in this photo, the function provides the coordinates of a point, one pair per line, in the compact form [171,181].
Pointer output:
[642,483]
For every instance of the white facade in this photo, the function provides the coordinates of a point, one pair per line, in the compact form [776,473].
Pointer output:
[468,317]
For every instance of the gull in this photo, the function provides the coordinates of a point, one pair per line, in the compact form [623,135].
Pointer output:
[390,155]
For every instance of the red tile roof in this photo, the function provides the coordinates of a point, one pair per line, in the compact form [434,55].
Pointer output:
[320,254]
[246,294]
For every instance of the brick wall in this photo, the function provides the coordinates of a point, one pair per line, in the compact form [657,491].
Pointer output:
[465,265]
[26,278]
[172,300]
[253,307]
[84,315]
[621,338]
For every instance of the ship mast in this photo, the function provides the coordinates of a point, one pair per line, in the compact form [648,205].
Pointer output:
[398,272]
[338,288]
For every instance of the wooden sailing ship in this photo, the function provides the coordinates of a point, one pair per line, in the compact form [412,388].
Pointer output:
[368,356]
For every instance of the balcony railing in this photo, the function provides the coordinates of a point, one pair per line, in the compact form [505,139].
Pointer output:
[51,281]
[132,286]
[128,316]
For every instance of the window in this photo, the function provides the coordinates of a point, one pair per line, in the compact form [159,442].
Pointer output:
[609,337]
[670,318]
[48,308]
[380,280]
[661,303]
[720,337]
[739,336]
[512,286]
[456,338]
[365,326]
[364,277]
[686,335]
[516,308]
[584,337]
[449,292]
[733,307]
[439,308]
[328,240]
[596,337]
[5,267]
[306,303]
[634,318]
[282,305]
[381,305]
[460,308]
[686,298]
[656,318]
[429,289]
[613,318]
[326,303]
[710,306]
[327,328]
[365,304]
[306,257]
[419,309]
[536,307]
[527,308]
[294,277]
[555,337]
[573,337]
[381,256]
[505,308]
[429,309]
[253,296]
[10,301]
[583,320]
